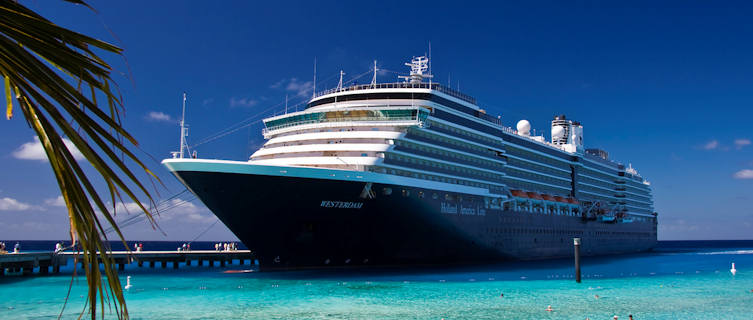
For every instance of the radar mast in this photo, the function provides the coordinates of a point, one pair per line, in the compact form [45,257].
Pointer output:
[183,132]
[418,70]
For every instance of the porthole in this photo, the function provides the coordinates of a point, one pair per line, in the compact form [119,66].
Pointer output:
[387,191]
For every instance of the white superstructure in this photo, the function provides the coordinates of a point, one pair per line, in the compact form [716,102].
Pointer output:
[428,132]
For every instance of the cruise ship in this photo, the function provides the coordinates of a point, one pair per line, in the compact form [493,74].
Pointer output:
[413,172]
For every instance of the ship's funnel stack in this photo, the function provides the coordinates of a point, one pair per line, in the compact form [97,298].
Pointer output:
[567,134]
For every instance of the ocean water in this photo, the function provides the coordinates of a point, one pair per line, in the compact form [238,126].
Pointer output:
[679,280]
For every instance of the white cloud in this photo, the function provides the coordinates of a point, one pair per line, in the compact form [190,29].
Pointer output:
[55,202]
[678,225]
[711,145]
[186,212]
[740,143]
[10,204]
[159,116]
[744,174]
[300,88]
[173,210]
[207,101]
[35,151]
[295,86]
[277,84]
[242,102]
[129,207]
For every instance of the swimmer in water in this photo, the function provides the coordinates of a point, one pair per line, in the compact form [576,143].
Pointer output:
[630,317]
[596,296]
[549,308]
[501,295]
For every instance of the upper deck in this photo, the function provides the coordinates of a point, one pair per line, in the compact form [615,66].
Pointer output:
[433,92]
[399,85]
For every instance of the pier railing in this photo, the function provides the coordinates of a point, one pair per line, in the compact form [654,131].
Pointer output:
[26,263]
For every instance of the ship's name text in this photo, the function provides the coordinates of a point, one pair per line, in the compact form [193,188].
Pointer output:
[341,204]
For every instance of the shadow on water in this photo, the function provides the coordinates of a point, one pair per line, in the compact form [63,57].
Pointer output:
[13,279]
[508,270]
[668,258]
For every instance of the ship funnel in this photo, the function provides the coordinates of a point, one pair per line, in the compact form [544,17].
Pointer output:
[567,133]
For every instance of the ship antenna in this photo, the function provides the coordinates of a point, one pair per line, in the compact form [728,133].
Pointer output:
[418,67]
[183,131]
[373,80]
[313,94]
[429,64]
[286,103]
[340,84]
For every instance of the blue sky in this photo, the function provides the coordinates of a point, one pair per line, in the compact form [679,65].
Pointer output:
[667,88]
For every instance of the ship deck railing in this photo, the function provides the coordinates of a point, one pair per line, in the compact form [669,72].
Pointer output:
[402,85]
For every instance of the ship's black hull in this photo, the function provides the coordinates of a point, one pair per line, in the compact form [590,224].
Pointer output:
[293,222]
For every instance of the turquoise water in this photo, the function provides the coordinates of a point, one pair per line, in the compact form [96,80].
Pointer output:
[673,283]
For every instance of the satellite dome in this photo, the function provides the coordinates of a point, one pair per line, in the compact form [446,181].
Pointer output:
[558,132]
[524,127]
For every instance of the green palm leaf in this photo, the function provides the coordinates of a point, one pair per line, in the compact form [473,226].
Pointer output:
[43,67]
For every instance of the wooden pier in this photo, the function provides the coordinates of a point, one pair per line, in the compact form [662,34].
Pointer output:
[45,262]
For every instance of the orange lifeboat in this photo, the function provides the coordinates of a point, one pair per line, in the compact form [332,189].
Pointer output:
[534,195]
[548,197]
[519,194]
[572,201]
[560,199]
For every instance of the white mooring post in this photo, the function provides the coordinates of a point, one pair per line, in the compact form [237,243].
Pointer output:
[576,242]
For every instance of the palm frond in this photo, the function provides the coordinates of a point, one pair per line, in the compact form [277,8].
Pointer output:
[44,67]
